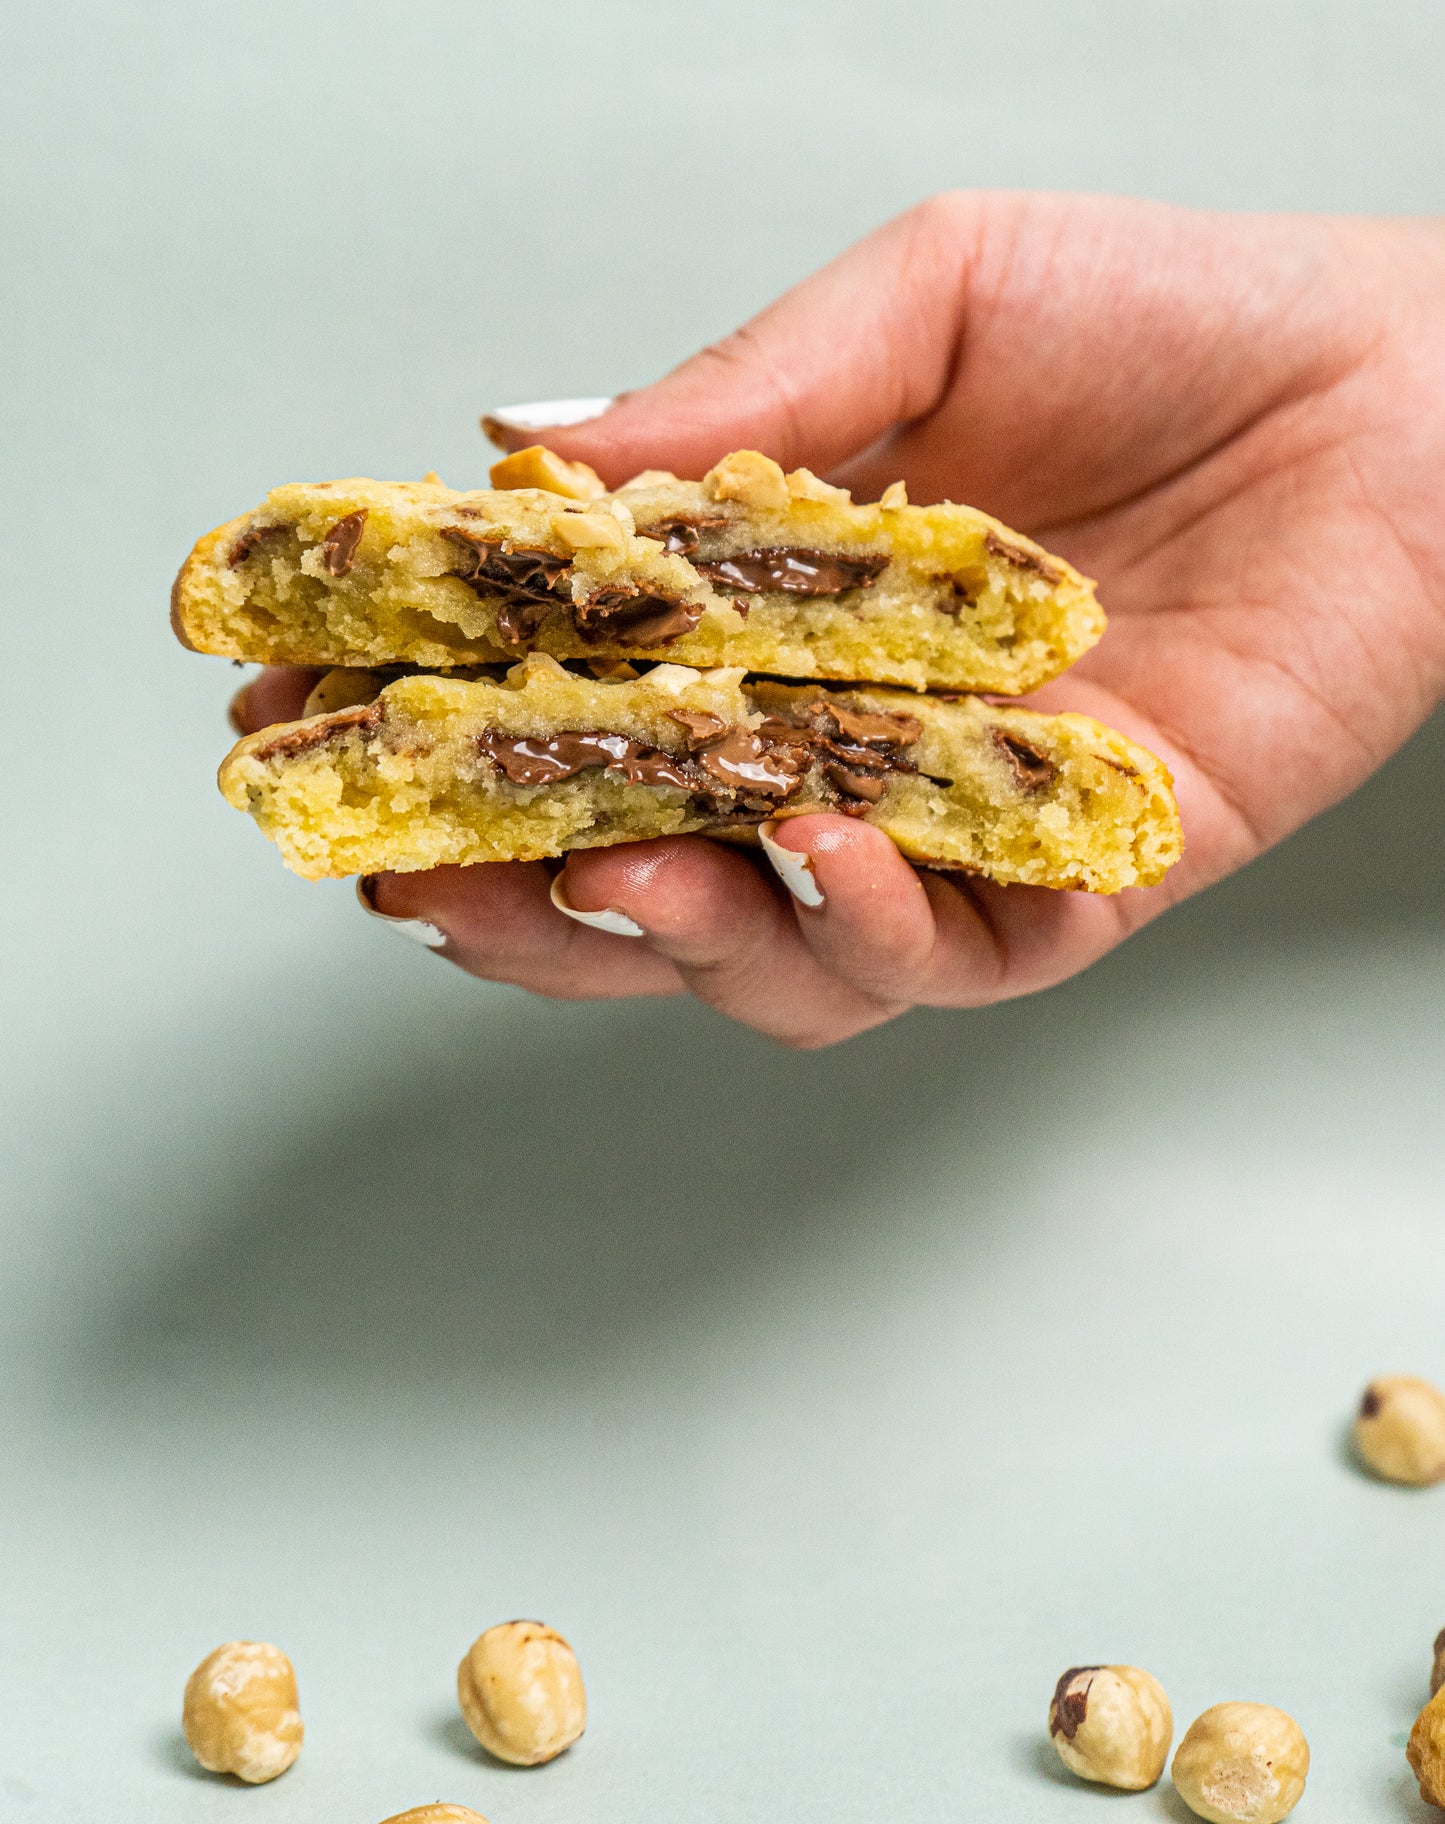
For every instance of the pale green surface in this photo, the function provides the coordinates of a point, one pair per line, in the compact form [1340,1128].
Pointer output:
[833,1404]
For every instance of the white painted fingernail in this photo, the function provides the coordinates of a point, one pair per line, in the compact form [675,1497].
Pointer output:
[544,414]
[795,870]
[618,923]
[419,930]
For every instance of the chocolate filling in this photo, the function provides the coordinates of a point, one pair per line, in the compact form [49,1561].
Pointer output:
[794,570]
[250,541]
[1032,770]
[1069,1708]
[635,617]
[338,548]
[544,759]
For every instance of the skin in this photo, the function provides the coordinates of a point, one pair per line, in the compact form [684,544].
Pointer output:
[1233,422]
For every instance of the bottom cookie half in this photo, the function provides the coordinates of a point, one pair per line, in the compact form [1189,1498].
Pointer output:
[433,769]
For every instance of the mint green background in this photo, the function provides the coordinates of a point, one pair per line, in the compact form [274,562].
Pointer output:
[831,1404]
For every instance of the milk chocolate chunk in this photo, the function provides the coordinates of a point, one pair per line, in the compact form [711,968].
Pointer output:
[338,548]
[701,725]
[875,730]
[865,786]
[299,740]
[544,759]
[794,570]
[522,579]
[680,535]
[1019,559]
[250,542]
[1032,770]
[745,762]
[635,617]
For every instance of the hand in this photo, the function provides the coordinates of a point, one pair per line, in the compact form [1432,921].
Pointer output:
[1235,423]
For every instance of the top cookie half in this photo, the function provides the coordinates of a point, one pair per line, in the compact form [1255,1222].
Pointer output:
[779,574]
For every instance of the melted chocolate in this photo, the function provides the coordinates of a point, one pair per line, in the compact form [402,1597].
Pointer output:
[338,548]
[1032,770]
[544,759]
[680,535]
[1019,559]
[307,735]
[747,763]
[794,570]
[635,617]
[523,579]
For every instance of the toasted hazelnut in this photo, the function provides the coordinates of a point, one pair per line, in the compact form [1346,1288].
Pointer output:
[344,688]
[1400,1430]
[240,1713]
[520,1689]
[803,484]
[539,467]
[1111,1724]
[1242,1764]
[585,530]
[432,480]
[622,513]
[1426,1750]
[649,478]
[437,1814]
[895,495]
[1437,1671]
[750,477]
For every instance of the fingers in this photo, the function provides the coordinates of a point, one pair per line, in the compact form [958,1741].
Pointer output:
[498,922]
[278,695]
[863,345]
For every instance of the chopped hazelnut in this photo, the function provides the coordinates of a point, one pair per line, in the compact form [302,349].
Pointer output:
[602,530]
[240,1713]
[1437,1671]
[1111,1724]
[520,1690]
[437,1814]
[1400,1430]
[750,477]
[1426,1750]
[803,484]
[432,480]
[539,467]
[895,495]
[1242,1764]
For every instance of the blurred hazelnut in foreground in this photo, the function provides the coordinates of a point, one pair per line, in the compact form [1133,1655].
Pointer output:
[437,1814]
[240,1713]
[1242,1764]
[1400,1430]
[1111,1724]
[520,1689]
[1426,1750]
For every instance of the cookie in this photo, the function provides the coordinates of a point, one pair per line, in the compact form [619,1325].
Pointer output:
[778,574]
[426,769]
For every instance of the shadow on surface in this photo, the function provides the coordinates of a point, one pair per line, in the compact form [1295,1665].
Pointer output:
[481,1183]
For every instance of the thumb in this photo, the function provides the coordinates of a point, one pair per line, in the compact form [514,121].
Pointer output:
[865,344]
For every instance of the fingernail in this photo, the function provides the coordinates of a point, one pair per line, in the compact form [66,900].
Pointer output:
[419,930]
[618,923]
[793,868]
[545,414]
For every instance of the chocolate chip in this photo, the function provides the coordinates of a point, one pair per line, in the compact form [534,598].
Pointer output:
[680,535]
[635,617]
[520,582]
[701,725]
[794,570]
[338,548]
[1032,770]
[1069,1708]
[745,762]
[545,759]
[867,786]
[318,732]
[250,541]
[1019,559]
[875,730]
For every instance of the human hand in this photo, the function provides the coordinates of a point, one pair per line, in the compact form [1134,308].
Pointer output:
[1235,423]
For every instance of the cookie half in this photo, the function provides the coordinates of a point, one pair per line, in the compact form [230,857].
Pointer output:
[774,573]
[426,770]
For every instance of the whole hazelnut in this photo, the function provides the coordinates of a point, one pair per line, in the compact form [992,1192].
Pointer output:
[240,1713]
[1242,1764]
[520,1689]
[1111,1724]
[437,1814]
[1400,1430]
[1426,1750]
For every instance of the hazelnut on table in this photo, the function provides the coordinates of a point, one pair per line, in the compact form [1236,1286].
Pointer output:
[1437,1670]
[1426,1750]
[240,1712]
[1111,1724]
[1400,1430]
[437,1814]
[520,1690]
[1242,1764]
